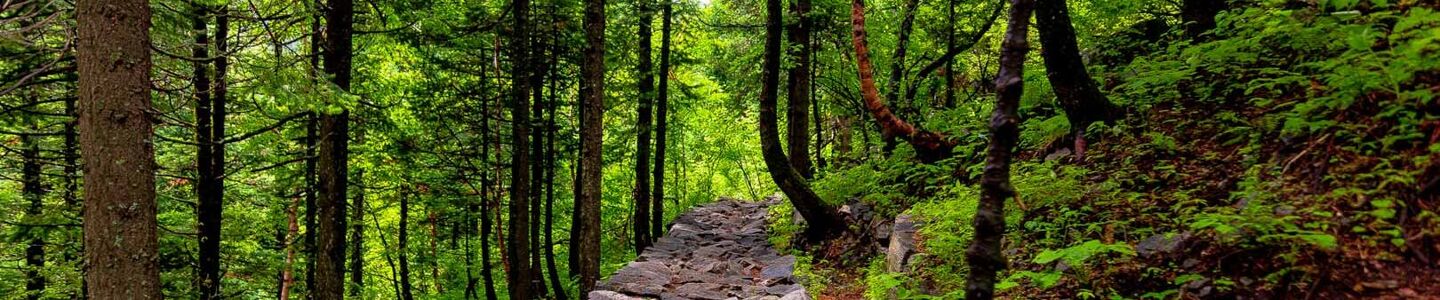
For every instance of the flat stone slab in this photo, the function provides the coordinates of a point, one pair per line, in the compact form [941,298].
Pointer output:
[716,251]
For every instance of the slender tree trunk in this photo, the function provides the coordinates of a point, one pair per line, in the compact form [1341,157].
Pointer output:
[70,180]
[434,255]
[822,221]
[113,60]
[357,234]
[334,157]
[486,270]
[287,277]
[208,269]
[646,82]
[797,131]
[815,103]
[950,61]
[312,139]
[929,146]
[34,194]
[984,252]
[218,114]
[312,144]
[406,289]
[559,290]
[1078,96]
[520,274]
[537,166]
[657,211]
[592,124]
[897,60]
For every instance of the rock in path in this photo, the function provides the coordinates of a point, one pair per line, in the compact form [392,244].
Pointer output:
[717,251]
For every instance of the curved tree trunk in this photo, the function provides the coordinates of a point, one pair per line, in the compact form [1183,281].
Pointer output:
[1078,96]
[929,146]
[113,60]
[984,252]
[822,222]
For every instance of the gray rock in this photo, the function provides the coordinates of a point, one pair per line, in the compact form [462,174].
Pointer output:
[1162,244]
[796,295]
[783,289]
[902,244]
[780,268]
[707,291]
[609,295]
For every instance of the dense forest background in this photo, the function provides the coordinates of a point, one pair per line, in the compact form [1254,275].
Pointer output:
[399,149]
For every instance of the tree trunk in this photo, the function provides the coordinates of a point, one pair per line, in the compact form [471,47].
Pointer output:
[434,255]
[406,289]
[897,60]
[592,124]
[550,165]
[929,146]
[357,235]
[113,60]
[312,139]
[487,196]
[657,207]
[1082,101]
[797,131]
[334,157]
[287,277]
[646,82]
[984,251]
[520,274]
[537,166]
[822,221]
[35,195]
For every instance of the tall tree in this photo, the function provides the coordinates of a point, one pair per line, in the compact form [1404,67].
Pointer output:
[822,222]
[334,133]
[586,224]
[520,275]
[113,61]
[550,165]
[646,86]
[34,191]
[929,146]
[984,251]
[406,289]
[798,79]
[487,195]
[1076,91]
[657,211]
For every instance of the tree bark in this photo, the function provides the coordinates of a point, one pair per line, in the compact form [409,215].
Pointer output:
[486,194]
[312,188]
[984,252]
[929,146]
[34,192]
[657,211]
[537,166]
[592,124]
[357,235]
[113,61]
[550,165]
[406,289]
[822,220]
[646,86]
[287,277]
[1077,94]
[520,275]
[334,157]
[798,82]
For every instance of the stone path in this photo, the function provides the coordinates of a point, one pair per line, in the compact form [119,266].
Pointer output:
[717,251]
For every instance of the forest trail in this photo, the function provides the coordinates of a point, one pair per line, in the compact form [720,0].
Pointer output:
[716,251]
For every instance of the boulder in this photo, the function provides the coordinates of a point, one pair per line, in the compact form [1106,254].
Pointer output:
[902,243]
